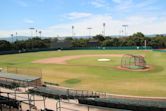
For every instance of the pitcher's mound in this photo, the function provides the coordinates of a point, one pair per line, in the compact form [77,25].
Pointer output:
[148,68]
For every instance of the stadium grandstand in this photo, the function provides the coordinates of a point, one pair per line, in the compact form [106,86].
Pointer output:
[132,104]
[8,103]
[23,92]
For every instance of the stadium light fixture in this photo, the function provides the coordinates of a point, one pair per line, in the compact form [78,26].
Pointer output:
[89,28]
[32,34]
[32,31]
[104,25]
[40,32]
[36,32]
[125,29]
[16,36]
[72,31]
[12,37]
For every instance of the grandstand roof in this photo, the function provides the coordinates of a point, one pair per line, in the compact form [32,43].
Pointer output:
[53,91]
[18,77]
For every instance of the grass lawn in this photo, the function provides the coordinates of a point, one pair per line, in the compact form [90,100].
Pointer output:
[87,73]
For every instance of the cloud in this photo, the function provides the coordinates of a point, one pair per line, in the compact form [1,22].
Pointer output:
[22,3]
[41,1]
[20,32]
[29,21]
[124,5]
[130,5]
[146,3]
[117,1]
[150,25]
[78,15]
[99,3]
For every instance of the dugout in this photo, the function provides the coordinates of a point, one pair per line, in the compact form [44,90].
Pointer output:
[22,80]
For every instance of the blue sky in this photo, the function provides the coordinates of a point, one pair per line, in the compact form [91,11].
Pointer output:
[56,17]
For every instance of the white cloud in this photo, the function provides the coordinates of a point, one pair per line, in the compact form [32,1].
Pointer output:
[22,3]
[29,21]
[41,0]
[124,5]
[20,32]
[130,5]
[118,1]
[78,15]
[146,3]
[150,25]
[99,3]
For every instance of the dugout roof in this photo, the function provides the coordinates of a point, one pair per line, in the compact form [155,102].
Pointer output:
[18,77]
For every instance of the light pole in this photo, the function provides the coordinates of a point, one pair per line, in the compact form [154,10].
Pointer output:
[36,32]
[145,44]
[16,36]
[121,33]
[104,24]
[89,28]
[125,28]
[12,37]
[32,31]
[40,32]
[72,31]
[32,35]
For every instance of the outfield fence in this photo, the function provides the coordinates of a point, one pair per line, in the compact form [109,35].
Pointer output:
[77,48]
[112,48]
[160,50]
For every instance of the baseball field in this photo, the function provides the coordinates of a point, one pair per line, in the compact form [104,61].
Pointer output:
[81,69]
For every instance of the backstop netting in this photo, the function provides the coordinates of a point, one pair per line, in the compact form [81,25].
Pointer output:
[133,62]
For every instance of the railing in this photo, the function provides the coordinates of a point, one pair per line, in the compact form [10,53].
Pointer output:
[23,98]
[64,105]
[81,93]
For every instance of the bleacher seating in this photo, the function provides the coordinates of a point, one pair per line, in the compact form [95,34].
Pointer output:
[9,102]
[127,104]
[8,84]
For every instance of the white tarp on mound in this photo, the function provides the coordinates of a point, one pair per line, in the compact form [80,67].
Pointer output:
[103,60]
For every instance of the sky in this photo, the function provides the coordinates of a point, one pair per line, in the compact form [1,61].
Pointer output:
[56,17]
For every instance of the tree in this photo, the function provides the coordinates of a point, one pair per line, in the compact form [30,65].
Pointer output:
[100,38]
[158,42]
[138,34]
[106,43]
[19,45]
[79,42]
[5,45]
[68,39]
[137,39]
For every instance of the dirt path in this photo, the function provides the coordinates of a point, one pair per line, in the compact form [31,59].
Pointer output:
[64,59]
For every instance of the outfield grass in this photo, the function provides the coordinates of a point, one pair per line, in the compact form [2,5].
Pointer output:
[88,73]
